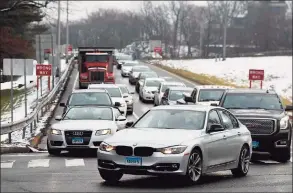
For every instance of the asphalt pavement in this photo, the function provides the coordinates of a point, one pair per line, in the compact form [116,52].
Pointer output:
[40,172]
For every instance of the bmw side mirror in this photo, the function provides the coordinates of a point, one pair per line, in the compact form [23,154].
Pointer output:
[117,104]
[129,124]
[289,108]
[181,102]
[215,128]
[187,98]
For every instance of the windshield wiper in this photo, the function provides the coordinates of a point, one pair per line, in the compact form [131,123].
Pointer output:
[256,108]
[208,100]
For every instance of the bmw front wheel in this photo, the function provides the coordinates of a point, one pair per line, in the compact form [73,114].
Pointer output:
[110,176]
[194,167]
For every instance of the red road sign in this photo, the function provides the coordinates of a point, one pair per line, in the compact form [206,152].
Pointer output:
[158,49]
[43,70]
[256,74]
[70,48]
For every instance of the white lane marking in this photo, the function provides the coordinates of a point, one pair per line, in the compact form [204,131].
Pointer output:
[135,115]
[36,163]
[75,82]
[74,162]
[7,164]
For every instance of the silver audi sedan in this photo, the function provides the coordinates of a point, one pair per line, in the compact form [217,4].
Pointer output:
[187,140]
[84,127]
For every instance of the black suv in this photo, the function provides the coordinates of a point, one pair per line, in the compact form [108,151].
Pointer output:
[262,112]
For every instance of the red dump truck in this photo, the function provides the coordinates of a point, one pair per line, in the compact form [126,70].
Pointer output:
[95,65]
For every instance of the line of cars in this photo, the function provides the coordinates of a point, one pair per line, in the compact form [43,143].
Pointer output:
[190,132]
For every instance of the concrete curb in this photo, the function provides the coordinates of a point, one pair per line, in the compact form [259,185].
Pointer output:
[6,150]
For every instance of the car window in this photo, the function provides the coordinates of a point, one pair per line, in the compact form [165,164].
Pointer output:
[172,119]
[124,90]
[210,95]
[90,98]
[175,95]
[152,83]
[214,118]
[227,122]
[114,92]
[89,113]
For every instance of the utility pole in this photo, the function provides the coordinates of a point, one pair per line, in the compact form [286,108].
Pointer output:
[58,40]
[225,37]
[67,32]
[201,39]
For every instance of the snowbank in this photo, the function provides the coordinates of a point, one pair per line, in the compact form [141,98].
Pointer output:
[278,70]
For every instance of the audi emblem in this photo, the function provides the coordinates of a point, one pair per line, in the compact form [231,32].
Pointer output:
[78,133]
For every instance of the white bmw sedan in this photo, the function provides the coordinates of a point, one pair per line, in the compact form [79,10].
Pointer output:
[187,140]
[83,127]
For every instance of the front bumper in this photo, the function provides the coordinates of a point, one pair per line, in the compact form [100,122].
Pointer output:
[272,144]
[62,142]
[148,96]
[157,164]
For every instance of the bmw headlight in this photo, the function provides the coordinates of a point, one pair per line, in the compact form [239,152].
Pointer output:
[106,147]
[103,132]
[56,132]
[284,122]
[173,150]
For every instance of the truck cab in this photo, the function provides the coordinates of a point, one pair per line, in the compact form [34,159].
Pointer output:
[95,66]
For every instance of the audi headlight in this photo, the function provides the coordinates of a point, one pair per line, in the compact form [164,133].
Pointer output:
[106,147]
[284,122]
[56,132]
[103,132]
[173,150]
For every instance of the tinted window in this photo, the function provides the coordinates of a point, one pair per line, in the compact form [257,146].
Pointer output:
[152,83]
[128,64]
[96,58]
[91,98]
[172,119]
[114,92]
[214,118]
[227,123]
[177,94]
[210,95]
[89,113]
[140,69]
[252,101]
[148,75]
[165,86]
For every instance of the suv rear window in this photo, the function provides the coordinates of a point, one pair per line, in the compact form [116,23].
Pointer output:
[252,101]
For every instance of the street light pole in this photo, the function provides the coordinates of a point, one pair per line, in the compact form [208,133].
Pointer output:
[67,32]
[59,40]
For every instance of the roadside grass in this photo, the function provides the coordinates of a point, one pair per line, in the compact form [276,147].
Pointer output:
[18,95]
[206,79]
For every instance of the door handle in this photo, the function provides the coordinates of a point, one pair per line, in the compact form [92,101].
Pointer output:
[239,133]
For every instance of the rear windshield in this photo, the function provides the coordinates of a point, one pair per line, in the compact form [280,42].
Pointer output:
[252,101]
[178,94]
[141,69]
[114,92]
[149,75]
[96,58]
[165,86]
[128,64]
[152,83]
[124,90]
[210,95]
[90,98]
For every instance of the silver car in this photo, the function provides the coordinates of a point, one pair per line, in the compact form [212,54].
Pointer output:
[127,95]
[162,88]
[84,127]
[187,140]
[148,88]
[126,68]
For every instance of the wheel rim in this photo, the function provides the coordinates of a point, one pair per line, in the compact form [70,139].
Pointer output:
[194,167]
[245,159]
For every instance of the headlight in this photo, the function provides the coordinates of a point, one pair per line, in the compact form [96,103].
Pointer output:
[284,122]
[56,132]
[123,105]
[173,150]
[130,101]
[103,132]
[106,147]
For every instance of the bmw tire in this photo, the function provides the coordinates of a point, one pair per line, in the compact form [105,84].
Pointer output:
[243,164]
[112,177]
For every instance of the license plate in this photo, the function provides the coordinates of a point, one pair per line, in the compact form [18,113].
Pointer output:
[77,140]
[255,144]
[133,161]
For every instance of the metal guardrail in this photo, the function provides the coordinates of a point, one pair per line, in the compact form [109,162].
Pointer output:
[8,128]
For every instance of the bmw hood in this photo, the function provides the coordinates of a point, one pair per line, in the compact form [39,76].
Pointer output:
[84,125]
[152,137]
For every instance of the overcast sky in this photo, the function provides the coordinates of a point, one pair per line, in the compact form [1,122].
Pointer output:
[80,9]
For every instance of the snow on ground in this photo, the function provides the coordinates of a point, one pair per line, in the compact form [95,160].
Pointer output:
[278,70]
[19,110]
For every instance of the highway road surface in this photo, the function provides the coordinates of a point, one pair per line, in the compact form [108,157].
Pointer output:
[40,172]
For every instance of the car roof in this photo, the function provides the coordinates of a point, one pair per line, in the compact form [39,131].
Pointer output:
[150,79]
[103,86]
[173,83]
[248,90]
[89,91]
[213,87]
[180,88]
[205,108]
